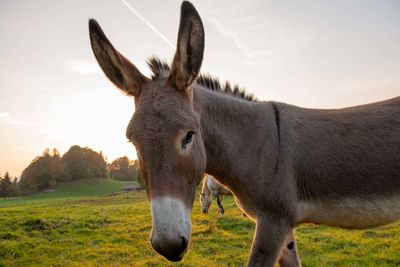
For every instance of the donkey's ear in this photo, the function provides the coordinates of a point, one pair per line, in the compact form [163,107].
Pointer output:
[116,67]
[190,48]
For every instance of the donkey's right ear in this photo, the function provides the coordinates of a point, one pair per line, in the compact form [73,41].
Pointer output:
[116,67]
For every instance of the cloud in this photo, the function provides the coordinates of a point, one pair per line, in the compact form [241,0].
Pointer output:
[263,38]
[9,118]
[83,67]
[145,21]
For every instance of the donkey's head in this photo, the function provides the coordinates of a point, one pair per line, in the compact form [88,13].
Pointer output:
[165,129]
[205,201]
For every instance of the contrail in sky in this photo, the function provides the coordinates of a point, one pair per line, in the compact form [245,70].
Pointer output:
[134,11]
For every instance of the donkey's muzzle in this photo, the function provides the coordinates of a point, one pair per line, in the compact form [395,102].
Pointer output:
[171,227]
[172,250]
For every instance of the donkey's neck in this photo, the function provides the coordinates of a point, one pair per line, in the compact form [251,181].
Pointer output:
[204,189]
[237,134]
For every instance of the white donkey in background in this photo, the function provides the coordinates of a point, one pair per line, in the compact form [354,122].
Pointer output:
[212,187]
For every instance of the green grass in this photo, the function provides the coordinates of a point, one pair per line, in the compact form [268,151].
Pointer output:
[73,189]
[114,231]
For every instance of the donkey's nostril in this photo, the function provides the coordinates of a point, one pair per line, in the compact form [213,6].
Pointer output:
[290,246]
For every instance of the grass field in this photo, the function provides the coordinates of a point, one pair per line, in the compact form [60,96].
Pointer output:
[72,190]
[114,231]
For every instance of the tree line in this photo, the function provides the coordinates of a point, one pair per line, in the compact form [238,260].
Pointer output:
[50,168]
[8,186]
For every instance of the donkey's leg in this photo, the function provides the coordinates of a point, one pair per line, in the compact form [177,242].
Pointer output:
[220,207]
[289,254]
[269,237]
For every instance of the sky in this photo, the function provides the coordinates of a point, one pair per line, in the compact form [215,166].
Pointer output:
[319,54]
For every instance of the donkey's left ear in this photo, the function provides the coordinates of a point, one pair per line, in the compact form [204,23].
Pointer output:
[116,67]
[190,48]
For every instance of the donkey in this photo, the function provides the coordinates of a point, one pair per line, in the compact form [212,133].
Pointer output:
[286,165]
[218,191]
[288,257]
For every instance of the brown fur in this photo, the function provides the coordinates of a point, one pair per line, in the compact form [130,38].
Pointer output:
[285,164]
[288,256]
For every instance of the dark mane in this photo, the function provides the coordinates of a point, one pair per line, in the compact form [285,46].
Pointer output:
[158,66]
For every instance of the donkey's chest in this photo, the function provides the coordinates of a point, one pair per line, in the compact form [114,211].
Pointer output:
[351,212]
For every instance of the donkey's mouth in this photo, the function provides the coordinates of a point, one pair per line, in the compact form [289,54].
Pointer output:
[174,258]
[172,252]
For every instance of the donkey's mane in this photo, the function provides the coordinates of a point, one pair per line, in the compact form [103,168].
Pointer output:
[158,66]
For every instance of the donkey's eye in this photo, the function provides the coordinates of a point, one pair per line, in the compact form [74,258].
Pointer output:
[188,139]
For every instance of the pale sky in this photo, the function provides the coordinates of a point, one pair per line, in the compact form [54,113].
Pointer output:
[325,54]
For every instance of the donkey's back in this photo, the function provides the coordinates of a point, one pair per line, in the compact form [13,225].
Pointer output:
[346,163]
[215,187]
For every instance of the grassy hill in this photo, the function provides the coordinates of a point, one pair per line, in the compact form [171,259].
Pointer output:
[72,189]
[114,231]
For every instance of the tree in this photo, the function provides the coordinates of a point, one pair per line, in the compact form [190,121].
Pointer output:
[46,152]
[5,186]
[84,163]
[15,188]
[44,172]
[56,152]
[122,169]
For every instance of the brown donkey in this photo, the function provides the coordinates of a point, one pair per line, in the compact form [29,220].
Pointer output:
[285,164]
